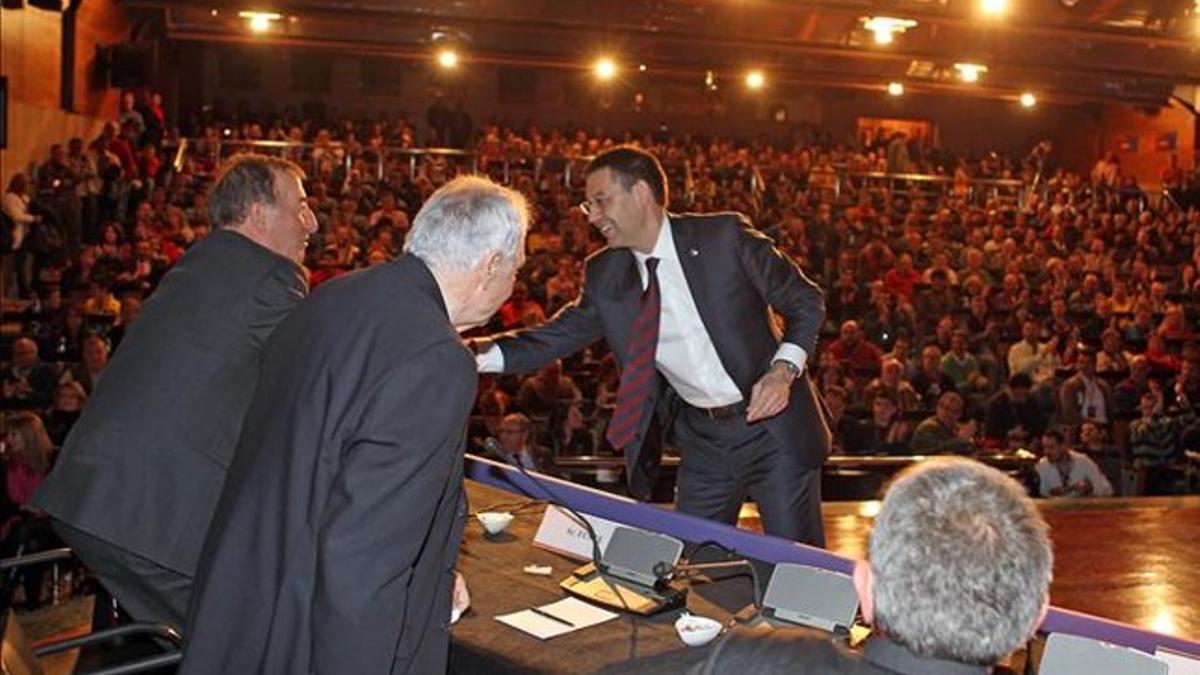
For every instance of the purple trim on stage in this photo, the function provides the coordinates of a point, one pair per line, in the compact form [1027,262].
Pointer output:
[773,549]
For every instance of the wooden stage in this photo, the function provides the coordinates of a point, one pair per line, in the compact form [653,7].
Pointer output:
[1134,560]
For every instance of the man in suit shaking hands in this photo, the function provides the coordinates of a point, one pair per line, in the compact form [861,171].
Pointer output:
[685,303]
[139,476]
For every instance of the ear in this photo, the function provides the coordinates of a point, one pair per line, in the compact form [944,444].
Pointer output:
[644,194]
[257,218]
[864,585]
[1041,616]
[493,262]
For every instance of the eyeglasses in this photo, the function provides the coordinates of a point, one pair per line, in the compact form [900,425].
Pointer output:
[593,206]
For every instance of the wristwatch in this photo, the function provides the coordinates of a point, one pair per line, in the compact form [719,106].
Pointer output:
[789,366]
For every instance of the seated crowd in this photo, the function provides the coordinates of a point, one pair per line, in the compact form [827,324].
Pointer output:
[959,320]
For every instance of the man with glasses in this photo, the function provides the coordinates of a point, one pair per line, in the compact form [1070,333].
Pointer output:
[685,304]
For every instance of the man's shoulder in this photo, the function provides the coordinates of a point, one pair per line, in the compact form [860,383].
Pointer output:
[784,650]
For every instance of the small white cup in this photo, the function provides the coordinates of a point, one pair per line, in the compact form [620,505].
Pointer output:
[696,631]
[494,522]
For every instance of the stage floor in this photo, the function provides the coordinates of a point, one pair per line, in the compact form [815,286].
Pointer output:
[1132,560]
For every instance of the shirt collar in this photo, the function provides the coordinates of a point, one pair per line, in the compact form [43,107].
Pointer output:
[664,248]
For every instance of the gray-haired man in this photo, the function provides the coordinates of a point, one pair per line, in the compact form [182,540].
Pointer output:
[334,544]
[138,479]
[957,578]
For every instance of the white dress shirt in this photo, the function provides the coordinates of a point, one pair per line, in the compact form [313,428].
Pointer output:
[685,355]
[1082,467]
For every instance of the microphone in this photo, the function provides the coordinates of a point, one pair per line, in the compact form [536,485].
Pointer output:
[664,572]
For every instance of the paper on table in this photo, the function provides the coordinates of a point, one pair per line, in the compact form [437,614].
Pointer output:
[575,612]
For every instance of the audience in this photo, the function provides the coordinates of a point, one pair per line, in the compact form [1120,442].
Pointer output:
[1090,295]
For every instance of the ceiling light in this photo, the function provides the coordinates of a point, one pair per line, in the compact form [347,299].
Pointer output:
[605,68]
[993,7]
[260,21]
[970,72]
[447,58]
[885,27]
[895,88]
[642,68]
[755,79]
[1028,99]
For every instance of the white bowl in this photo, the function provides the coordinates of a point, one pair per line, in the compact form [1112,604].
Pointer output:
[494,522]
[696,631]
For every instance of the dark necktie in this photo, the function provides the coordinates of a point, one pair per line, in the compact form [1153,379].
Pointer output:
[637,373]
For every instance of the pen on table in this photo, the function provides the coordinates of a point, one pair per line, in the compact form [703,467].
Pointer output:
[550,616]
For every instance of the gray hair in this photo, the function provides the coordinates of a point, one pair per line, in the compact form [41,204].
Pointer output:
[245,180]
[466,219]
[961,560]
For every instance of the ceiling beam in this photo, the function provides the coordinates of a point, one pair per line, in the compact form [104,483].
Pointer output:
[1026,67]
[796,78]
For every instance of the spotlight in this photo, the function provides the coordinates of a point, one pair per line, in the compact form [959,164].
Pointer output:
[642,68]
[447,58]
[885,28]
[260,21]
[605,68]
[970,72]
[755,79]
[1028,99]
[895,88]
[993,7]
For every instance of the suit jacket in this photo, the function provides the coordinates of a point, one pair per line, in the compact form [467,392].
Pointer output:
[144,465]
[334,543]
[736,276]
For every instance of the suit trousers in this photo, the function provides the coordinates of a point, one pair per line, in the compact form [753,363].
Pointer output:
[724,460]
[146,590]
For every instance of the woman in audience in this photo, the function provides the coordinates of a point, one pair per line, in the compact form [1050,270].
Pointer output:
[69,400]
[27,457]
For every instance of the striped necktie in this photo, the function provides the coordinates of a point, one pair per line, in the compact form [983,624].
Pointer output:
[637,373]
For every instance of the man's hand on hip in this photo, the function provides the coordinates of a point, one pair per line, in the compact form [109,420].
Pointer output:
[770,394]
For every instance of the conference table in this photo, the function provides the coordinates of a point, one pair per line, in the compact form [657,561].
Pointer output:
[493,567]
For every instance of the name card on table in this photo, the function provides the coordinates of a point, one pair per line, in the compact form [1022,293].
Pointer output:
[562,533]
[1178,663]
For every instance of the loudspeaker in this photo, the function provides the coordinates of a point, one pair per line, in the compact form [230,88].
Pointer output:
[810,596]
[635,555]
[128,65]
[1075,655]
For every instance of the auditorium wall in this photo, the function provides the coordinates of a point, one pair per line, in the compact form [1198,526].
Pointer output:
[272,78]
[1144,140]
[31,59]
[261,77]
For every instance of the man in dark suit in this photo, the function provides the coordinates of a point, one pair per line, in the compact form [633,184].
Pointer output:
[135,487]
[685,303]
[334,544]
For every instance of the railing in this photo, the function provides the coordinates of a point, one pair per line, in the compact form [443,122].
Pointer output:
[506,167]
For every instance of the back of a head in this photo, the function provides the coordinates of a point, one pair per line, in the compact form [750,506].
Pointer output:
[465,220]
[629,165]
[243,181]
[961,561]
